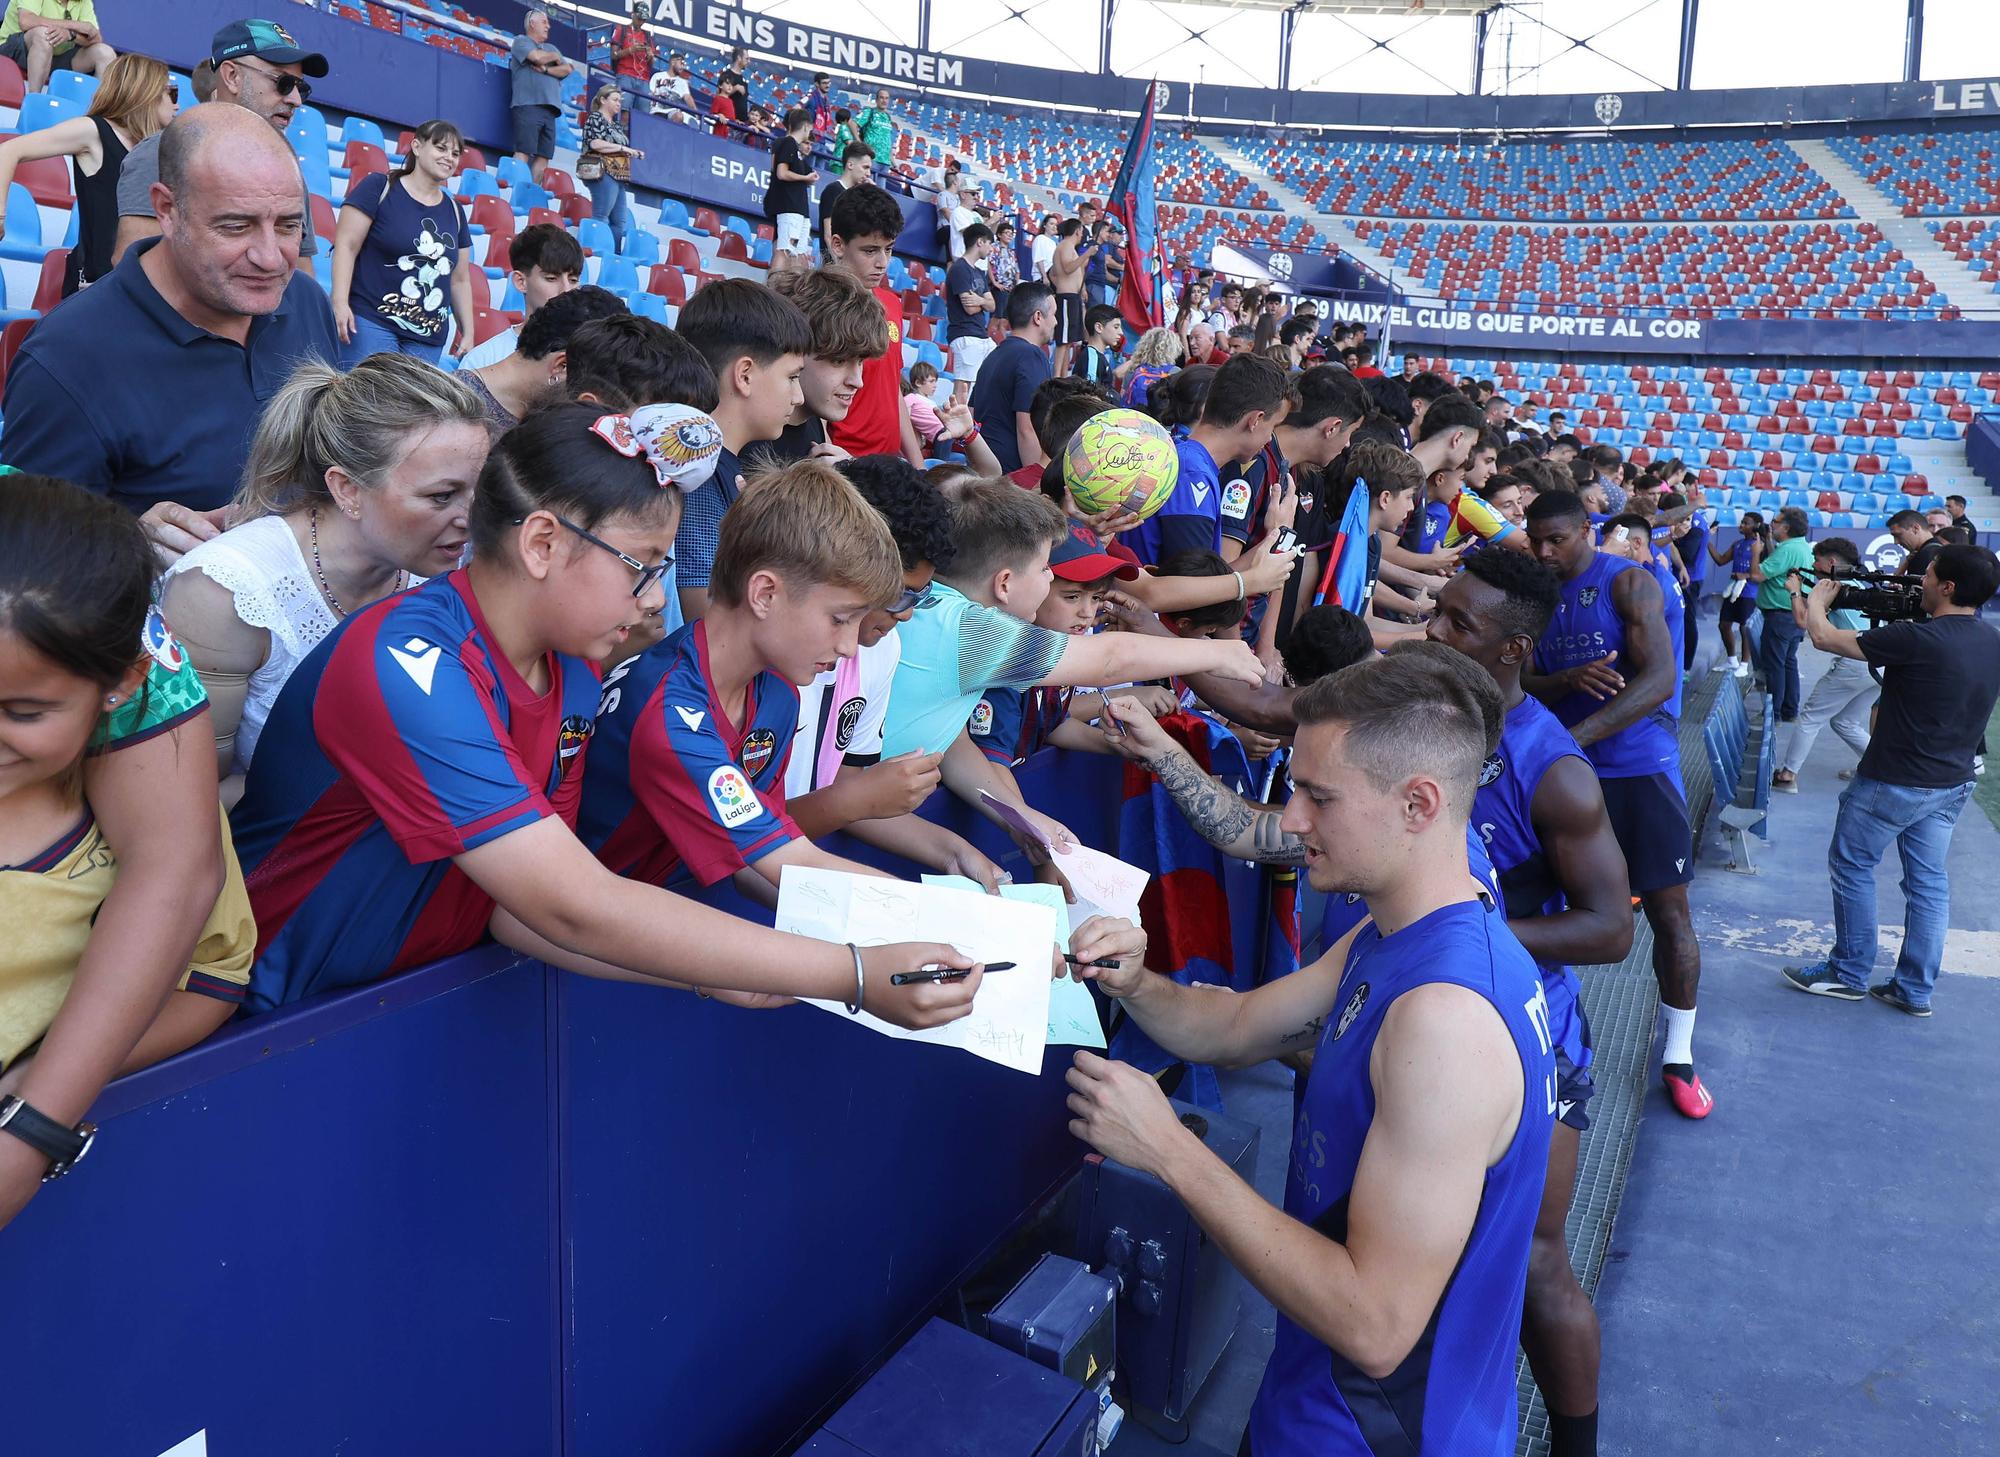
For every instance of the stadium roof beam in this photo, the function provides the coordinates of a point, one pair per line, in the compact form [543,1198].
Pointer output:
[1406,9]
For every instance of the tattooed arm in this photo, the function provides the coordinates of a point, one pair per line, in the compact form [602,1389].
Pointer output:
[1218,813]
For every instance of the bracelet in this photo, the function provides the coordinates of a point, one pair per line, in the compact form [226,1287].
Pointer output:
[860,982]
[1240,590]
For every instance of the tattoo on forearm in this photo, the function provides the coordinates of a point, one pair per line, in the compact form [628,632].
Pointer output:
[1274,844]
[1308,1033]
[1220,815]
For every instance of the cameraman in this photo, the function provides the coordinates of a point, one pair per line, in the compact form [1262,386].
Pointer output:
[1778,649]
[1940,683]
[1846,691]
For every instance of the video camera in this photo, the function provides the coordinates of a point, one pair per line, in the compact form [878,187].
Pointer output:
[1877,596]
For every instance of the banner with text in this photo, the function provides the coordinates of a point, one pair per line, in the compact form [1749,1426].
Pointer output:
[1497,330]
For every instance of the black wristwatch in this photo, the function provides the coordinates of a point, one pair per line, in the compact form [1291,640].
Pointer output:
[64,1147]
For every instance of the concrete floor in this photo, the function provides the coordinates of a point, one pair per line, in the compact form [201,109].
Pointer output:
[1815,1268]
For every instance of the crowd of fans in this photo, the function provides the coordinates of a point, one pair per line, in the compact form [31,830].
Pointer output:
[502,651]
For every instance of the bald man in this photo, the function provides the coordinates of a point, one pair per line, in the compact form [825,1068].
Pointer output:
[147,386]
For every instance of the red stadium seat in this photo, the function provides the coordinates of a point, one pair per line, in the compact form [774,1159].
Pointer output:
[13,88]
[48,286]
[486,323]
[669,283]
[11,337]
[362,158]
[684,255]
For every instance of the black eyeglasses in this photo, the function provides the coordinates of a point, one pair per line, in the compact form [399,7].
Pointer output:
[648,575]
[285,81]
[912,598]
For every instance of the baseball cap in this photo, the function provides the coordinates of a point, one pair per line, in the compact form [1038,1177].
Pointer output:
[268,41]
[1078,558]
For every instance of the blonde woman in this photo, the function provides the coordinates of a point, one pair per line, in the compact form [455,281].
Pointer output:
[135,100]
[1158,354]
[357,487]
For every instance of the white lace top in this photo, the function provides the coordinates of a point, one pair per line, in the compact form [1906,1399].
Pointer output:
[261,567]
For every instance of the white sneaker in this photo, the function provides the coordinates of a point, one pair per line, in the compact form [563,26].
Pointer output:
[1978,765]
[1742,669]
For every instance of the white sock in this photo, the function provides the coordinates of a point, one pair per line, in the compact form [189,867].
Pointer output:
[1680,1035]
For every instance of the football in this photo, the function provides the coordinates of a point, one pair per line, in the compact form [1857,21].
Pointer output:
[1121,459]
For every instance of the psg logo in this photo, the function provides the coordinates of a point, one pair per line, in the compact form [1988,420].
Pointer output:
[1491,770]
[1587,596]
[850,715]
[1352,1010]
[757,751]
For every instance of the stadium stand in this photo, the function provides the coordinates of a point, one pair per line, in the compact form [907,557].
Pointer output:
[1938,175]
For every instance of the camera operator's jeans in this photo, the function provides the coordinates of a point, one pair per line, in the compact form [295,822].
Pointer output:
[1778,656]
[1920,821]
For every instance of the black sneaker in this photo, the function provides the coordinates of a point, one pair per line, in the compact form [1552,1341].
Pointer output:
[1818,980]
[1891,995]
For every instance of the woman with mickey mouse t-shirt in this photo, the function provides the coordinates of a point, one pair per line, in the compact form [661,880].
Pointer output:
[401,257]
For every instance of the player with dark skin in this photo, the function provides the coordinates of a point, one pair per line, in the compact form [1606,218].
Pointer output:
[1631,684]
[1559,1328]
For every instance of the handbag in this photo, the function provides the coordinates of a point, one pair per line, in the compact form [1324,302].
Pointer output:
[590,167]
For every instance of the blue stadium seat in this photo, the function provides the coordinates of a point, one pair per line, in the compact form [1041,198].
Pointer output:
[360,129]
[44,109]
[74,86]
[617,274]
[594,234]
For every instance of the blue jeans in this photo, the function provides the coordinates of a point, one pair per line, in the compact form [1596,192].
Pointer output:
[1778,656]
[607,201]
[373,338]
[1920,821]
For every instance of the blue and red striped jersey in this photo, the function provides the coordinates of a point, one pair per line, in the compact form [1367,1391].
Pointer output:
[404,739]
[673,781]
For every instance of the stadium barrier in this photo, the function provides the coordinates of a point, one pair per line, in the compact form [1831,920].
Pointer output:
[489,1207]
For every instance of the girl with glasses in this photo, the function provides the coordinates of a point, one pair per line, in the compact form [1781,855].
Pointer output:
[433,748]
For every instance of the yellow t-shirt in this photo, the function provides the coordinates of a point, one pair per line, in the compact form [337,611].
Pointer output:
[1471,516]
[83,12]
[49,906]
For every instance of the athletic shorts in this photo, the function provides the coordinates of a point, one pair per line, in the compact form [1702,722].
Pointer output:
[1574,1090]
[15,49]
[1069,318]
[1741,610]
[535,131]
[794,232]
[1649,816]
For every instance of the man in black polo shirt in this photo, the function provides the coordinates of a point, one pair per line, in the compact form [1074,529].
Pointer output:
[147,386]
[1940,680]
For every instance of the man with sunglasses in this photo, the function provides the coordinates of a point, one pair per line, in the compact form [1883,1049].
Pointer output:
[257,66]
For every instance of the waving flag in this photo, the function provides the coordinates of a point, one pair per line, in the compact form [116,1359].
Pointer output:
[1345,581]
[1134,203]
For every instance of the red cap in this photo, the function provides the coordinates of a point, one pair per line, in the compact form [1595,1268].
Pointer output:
[1078,558]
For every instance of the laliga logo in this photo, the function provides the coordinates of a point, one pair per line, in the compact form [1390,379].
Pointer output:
[1281,265]
[1610,107]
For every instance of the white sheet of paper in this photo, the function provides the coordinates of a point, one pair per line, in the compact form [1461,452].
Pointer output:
[1073,1019]
[1008,1023]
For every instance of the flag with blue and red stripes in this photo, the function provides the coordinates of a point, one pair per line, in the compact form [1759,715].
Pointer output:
[1185,909]
[1345,581]
[1134,202]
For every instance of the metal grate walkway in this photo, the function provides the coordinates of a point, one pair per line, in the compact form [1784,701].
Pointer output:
[1621,1001]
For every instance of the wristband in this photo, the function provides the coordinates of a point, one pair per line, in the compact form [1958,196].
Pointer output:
[1241,591]
[860,981]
